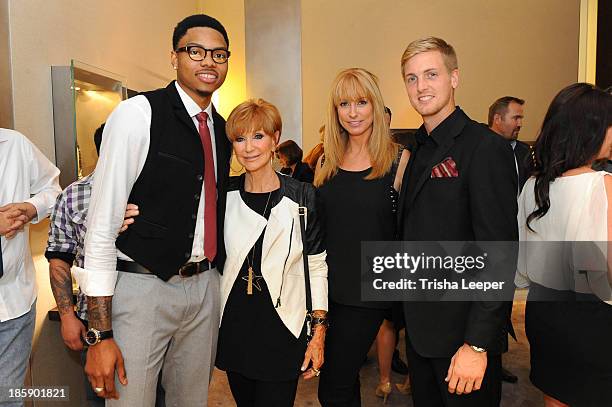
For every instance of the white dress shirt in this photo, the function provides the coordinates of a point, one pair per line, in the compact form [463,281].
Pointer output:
[125,145]
[27,176]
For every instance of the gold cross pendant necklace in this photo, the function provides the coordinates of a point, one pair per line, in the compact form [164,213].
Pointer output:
[252,279]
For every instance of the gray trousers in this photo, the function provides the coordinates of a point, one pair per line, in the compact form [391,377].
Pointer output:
[170,327]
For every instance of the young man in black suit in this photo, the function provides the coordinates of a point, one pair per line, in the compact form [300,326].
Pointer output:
[455,189]
[506,118]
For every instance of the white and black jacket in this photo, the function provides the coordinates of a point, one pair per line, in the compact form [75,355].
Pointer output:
[281,256]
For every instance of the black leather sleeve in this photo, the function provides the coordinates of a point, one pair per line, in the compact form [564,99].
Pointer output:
[314,228]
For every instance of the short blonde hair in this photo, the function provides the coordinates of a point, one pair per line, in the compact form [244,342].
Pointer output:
[253,115]
[354,84]
[431,44]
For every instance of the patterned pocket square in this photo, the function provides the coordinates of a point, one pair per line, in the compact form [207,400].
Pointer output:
[446,169]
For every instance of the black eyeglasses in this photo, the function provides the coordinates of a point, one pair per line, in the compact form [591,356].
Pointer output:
[198,53]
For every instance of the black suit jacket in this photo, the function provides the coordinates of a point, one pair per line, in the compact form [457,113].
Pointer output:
[478,205]
[524,161]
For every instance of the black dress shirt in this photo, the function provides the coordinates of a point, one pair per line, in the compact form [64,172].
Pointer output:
[427,145]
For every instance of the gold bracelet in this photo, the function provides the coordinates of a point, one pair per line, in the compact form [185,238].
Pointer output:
[319,314]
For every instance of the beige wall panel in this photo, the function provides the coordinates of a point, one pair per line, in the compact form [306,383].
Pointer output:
[523,48]
[274,59]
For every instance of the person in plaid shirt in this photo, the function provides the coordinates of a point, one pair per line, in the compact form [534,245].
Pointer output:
[65,248]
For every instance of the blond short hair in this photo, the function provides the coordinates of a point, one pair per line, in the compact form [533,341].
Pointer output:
[431,44]
[253,115]
[354,84]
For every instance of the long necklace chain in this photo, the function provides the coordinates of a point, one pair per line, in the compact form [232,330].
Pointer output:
[250,262]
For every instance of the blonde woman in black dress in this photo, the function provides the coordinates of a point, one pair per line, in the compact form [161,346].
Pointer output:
[358,204]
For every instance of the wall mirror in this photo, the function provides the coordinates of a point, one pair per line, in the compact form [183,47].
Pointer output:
[83,97]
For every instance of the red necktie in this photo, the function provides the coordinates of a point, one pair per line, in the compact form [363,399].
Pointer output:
[210,190]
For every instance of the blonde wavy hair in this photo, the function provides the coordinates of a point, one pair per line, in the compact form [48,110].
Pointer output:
[352,85]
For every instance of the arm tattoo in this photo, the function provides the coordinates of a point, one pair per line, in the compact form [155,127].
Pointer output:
[99,312]
[61,285]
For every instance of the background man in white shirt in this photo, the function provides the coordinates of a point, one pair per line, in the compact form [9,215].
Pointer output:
[28,188]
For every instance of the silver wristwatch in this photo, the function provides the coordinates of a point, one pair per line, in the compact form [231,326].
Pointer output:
[94,336]
[477,349]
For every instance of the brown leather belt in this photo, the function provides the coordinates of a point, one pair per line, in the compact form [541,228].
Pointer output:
[186,270]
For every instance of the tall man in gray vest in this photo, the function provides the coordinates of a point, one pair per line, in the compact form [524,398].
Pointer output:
[153,292]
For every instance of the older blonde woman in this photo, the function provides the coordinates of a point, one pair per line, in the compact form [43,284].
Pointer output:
[358,200]
[262,339]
